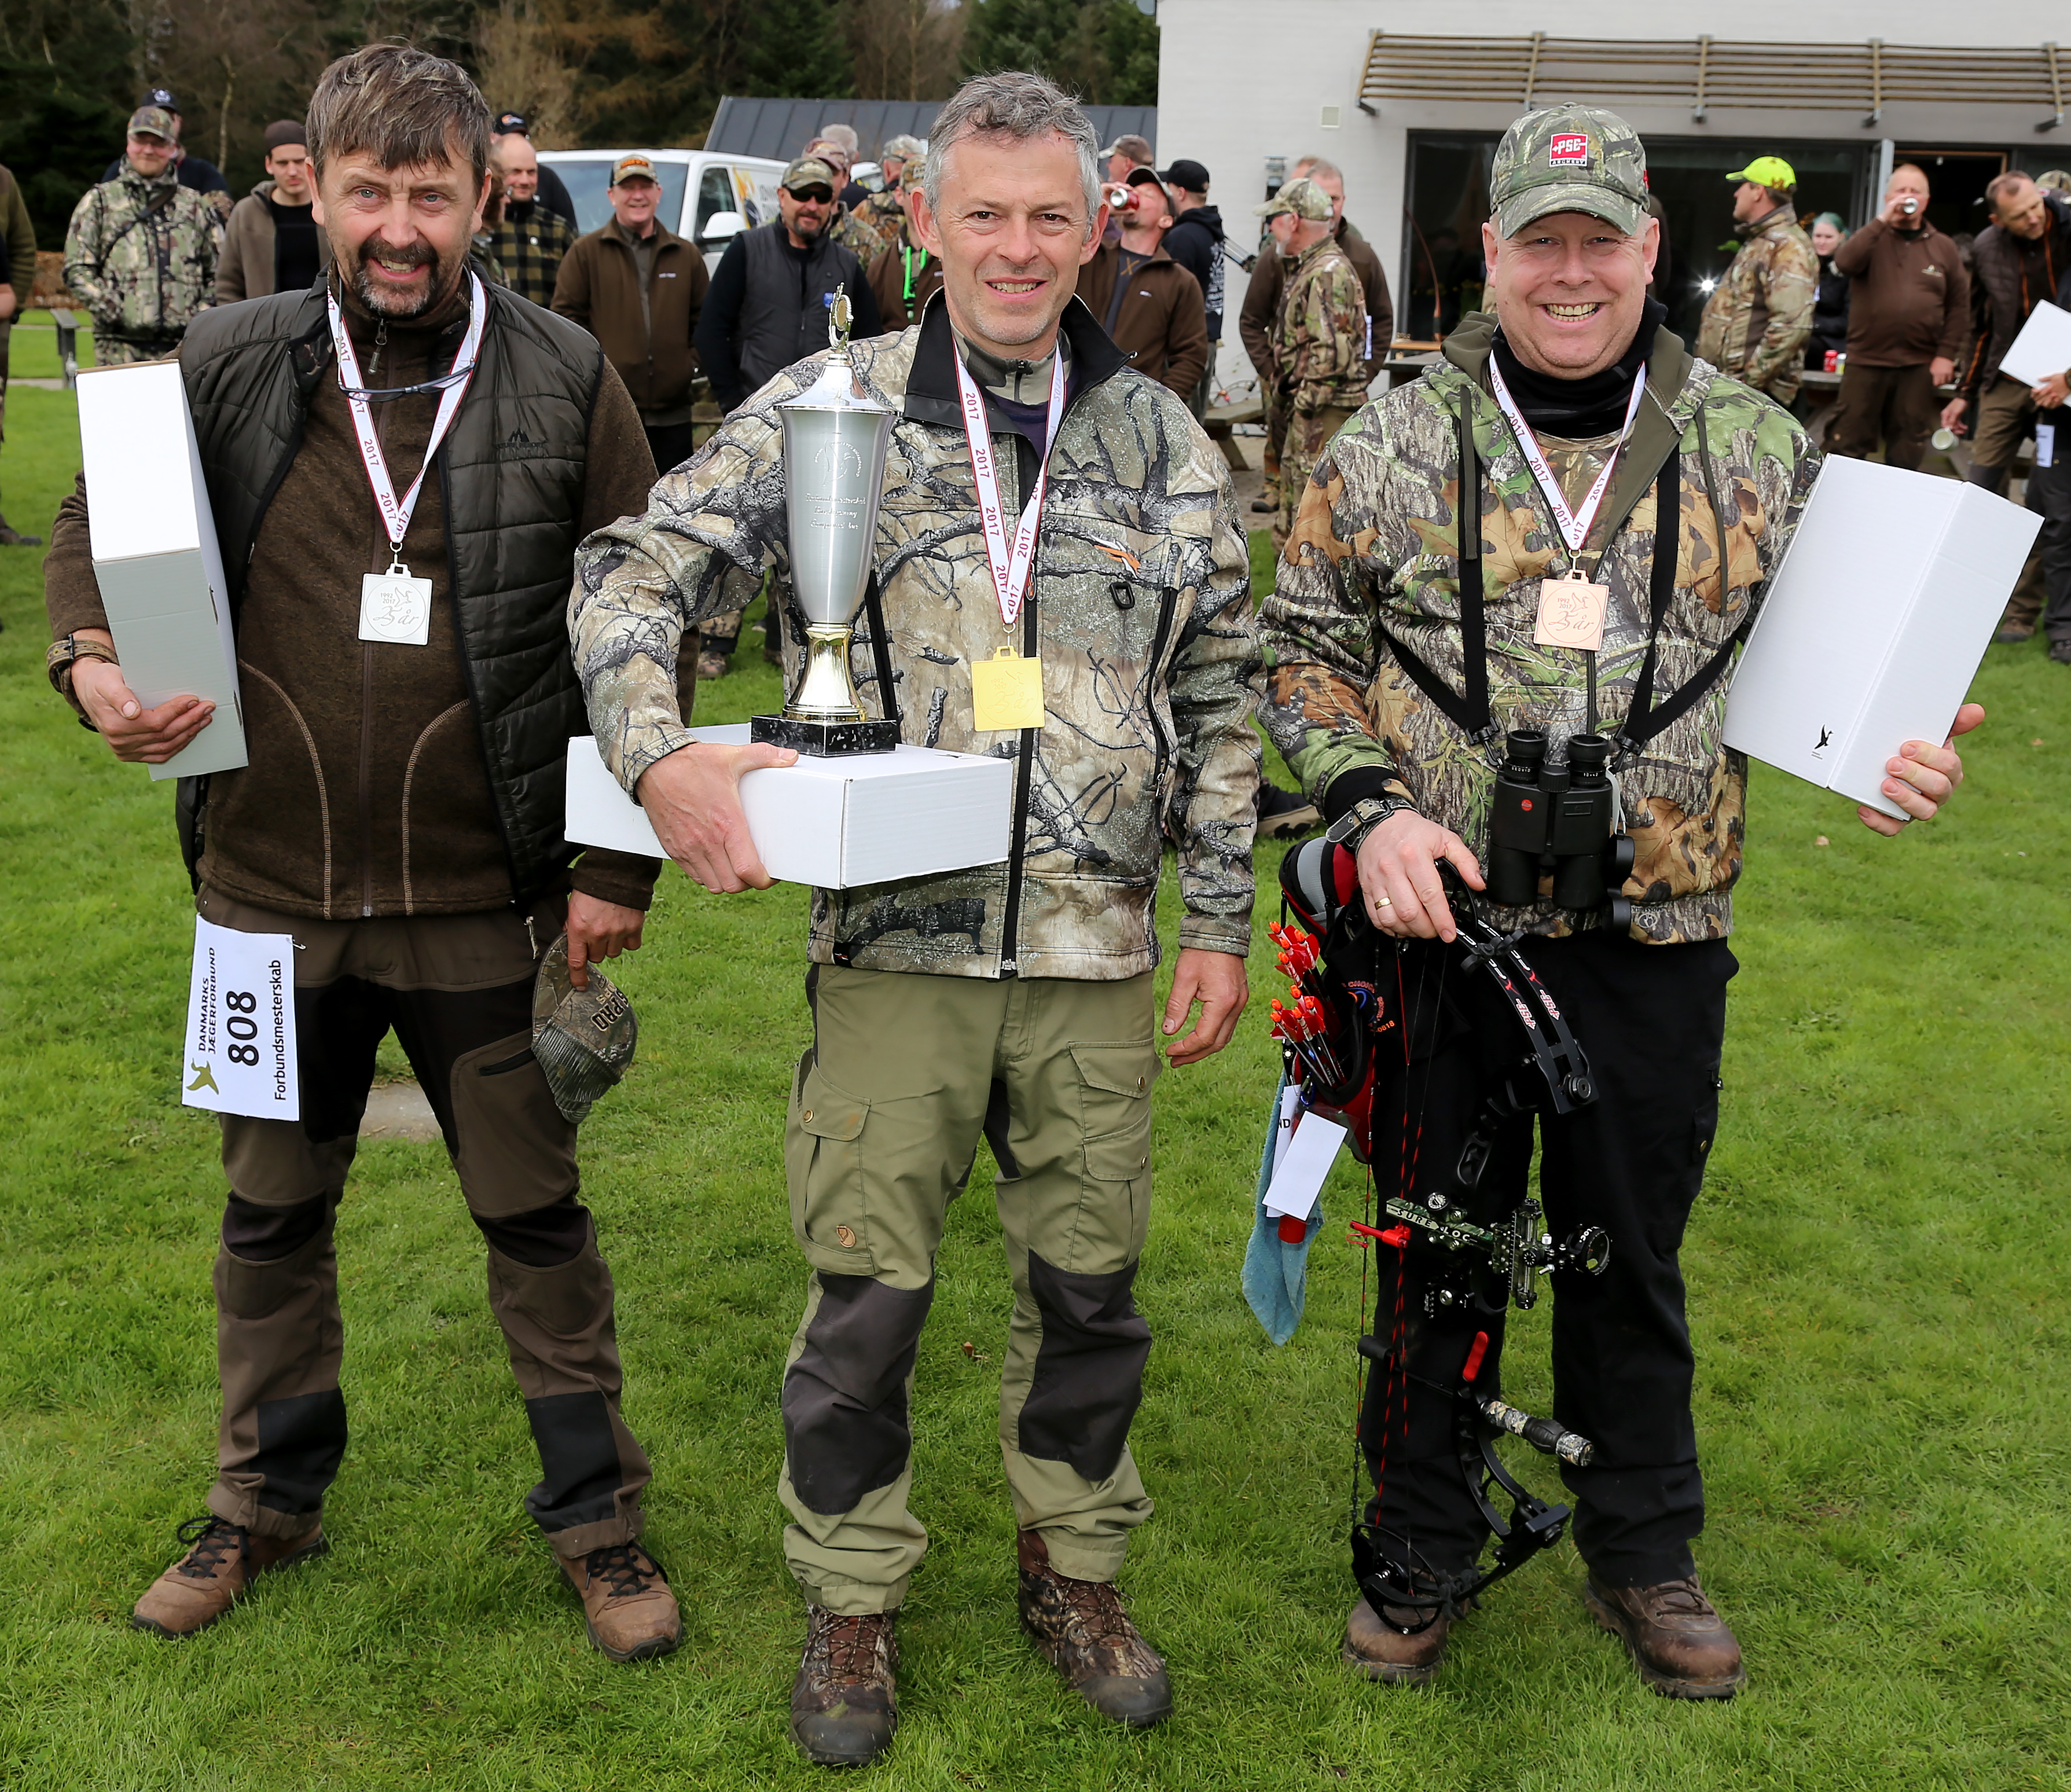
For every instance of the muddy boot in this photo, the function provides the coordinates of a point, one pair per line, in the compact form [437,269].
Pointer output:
[14,538]
[845,1701]
[1678,1642]
[1081,1627]
[627,1606]
[221,1561]
[1375,1646]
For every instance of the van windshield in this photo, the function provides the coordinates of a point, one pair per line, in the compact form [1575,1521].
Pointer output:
[588,181]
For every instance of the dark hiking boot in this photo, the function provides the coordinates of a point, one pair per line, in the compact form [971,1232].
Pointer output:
[221,1561]
[1375,1646]
[627,1606]
[2011,633]
[845,1701]
[14,538]
[1267,502]
[2060,651]
[1281,813]
[1080,1626]
[1678,1642]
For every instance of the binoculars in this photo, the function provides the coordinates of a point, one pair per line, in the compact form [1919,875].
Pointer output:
[1560,822]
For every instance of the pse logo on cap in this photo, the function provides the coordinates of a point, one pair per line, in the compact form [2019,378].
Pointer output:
[1568,149]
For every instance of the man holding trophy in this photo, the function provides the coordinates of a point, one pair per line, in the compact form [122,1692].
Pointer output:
[1046,552]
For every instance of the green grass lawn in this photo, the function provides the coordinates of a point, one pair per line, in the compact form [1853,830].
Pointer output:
[1877,1274]
[32,348]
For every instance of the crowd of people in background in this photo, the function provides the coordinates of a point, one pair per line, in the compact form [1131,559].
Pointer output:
[1914,321]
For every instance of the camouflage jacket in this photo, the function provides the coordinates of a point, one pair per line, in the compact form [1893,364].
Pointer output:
[141,256]
[1757,317]
[872,227]
[1140,607]
[1373,556]
[1319,344]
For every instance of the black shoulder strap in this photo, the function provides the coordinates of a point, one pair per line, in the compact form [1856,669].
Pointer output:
[880,650]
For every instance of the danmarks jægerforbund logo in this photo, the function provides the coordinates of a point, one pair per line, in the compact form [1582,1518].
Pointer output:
[1568,149]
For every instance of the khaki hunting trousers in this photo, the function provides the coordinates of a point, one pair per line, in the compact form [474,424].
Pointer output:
[907,1073]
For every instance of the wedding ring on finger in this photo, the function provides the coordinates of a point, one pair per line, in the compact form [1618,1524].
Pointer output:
[1382,902]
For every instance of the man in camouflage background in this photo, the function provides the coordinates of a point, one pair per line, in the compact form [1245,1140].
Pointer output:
[1013,1002]
[1758,316]
[1369,695]
[142,252]
[877,223]
[1319,344]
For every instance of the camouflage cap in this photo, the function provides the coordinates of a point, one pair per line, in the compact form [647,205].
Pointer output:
[154,121]
[809,171]
[1569,158]
[914,174]
[1771,171]
[583,1039]
[902,149]
[1302,197]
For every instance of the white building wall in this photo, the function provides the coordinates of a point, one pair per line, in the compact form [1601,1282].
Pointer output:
[1240,80]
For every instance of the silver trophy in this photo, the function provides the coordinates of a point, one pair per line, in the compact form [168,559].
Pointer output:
[835,445]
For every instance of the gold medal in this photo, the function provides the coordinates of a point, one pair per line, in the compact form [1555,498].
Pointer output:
[1571,612]
[1006,692]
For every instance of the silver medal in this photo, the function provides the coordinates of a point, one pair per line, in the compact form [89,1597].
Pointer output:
[396,607]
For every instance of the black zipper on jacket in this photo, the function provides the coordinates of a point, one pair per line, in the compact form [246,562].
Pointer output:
[1168,605]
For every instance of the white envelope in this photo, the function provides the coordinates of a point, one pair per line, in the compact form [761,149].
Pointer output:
[2042,348]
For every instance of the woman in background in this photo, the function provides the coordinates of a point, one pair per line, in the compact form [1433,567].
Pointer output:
[1830,298]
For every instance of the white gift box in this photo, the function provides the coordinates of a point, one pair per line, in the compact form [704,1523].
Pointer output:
[2042,348]
[1875,624]
[834,823]
[155,555]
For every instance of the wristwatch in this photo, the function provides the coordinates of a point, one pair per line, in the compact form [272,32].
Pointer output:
[63,654]
[1351,829]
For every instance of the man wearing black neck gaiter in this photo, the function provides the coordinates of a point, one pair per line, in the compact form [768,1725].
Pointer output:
[1909,306]
[1389,690]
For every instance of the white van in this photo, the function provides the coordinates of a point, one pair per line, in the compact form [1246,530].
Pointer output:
[707,197]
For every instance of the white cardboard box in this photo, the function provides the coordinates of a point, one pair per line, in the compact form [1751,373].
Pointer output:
[155,554]
[835,823]
[1875,623]
[2042,348]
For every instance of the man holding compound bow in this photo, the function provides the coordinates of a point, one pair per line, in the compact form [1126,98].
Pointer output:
[1396,652]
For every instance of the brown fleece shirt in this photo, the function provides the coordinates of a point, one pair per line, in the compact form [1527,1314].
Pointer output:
[367,793]
[1909,295]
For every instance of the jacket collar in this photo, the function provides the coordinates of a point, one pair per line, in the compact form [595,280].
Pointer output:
[1671,401]
[931,385]
[613,232]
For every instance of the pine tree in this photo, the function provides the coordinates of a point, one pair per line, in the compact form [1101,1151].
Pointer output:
[1103,50]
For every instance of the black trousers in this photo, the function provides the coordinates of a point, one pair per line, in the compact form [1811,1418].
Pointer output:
[2049,497]
[672,445]
[1651,1019]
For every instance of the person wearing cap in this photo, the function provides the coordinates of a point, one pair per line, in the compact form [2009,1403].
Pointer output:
[1012,1003]
[1319,344]
[1758,316]
[18,249]
[1195,242]
[1262,308]
[551,192]
[876,221]
[1122,155]
[771,288]
[1909,311]
[191,171]
[905,276]
[1149,305]
[272,243]
[142,250]
[1389,687]
[530,241]
[401,818]
[640,289]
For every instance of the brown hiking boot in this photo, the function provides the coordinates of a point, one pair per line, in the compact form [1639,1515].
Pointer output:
[1375,1646]
[1678,1642]
[221,1561]
[627,1606]
[1081,1627]
[845,1701]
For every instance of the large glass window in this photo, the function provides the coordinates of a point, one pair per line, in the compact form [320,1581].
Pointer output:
[588,183]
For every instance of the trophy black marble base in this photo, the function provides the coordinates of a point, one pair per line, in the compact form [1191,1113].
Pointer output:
[825,740]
